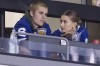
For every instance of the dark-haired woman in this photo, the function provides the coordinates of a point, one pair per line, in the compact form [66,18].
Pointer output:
[72,30]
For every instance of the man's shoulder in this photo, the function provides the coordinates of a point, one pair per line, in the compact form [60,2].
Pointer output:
[22,22]
[45,24]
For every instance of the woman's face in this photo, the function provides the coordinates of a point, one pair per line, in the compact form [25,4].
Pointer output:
[39,16]
[67,25]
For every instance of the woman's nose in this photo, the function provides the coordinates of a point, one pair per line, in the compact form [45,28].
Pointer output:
[62,24]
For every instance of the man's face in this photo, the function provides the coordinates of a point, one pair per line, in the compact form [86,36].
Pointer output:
[66,24]
[39,16]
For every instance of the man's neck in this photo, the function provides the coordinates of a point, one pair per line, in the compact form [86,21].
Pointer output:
[35,26]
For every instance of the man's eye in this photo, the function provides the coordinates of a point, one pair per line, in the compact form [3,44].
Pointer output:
[41,12]
[46,14]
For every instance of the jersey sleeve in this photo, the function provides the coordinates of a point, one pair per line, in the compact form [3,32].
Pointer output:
[56,33]
[19,27]
[84,36]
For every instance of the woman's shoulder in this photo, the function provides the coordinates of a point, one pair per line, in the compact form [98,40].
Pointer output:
[57,33]
[81,29]
[83,34]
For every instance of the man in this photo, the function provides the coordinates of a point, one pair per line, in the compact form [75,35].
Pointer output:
[33,19]
[30,22]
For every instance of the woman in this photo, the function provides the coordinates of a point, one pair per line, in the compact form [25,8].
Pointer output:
[72,30]
[70,27]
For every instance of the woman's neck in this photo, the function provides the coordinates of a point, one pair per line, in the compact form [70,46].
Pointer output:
[71,32]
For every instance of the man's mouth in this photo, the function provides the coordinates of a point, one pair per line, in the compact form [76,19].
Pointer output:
[42,20]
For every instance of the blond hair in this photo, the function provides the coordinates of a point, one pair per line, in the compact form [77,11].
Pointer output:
[35,5]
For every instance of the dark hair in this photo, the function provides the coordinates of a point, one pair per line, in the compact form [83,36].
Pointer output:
[73,15]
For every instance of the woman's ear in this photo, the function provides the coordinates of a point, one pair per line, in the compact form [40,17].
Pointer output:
[75,24]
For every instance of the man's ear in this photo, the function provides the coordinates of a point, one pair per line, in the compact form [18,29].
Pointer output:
[31,13]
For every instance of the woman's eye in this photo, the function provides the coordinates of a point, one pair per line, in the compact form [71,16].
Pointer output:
[65,21]
[61,21]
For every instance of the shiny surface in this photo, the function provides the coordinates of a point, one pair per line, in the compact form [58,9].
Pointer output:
[79,52]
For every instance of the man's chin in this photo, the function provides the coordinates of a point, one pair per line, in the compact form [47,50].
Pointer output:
[40,24]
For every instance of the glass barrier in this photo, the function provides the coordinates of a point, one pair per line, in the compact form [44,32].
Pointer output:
[85,52]
[36,45]
[52,48]
[42,49]
[4,45]
[72,51]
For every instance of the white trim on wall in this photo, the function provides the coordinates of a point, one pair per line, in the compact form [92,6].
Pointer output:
[11,18]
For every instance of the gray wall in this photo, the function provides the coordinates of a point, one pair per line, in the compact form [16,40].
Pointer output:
[94,30]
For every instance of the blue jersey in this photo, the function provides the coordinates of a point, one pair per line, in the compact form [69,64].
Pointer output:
[25,25]
[80,35]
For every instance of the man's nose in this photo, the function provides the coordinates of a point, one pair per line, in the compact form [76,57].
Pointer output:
[44,16]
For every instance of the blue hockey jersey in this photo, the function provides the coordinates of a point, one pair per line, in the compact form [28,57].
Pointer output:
[80,35]
[25,25]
